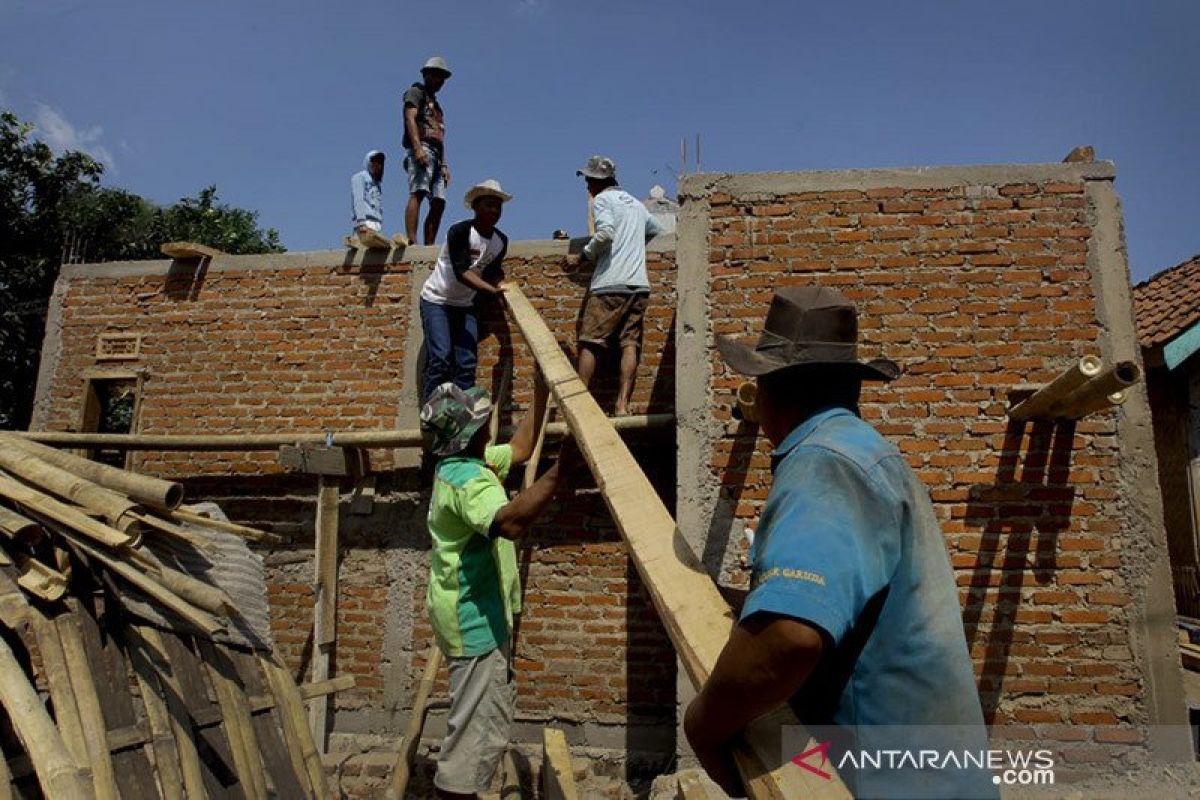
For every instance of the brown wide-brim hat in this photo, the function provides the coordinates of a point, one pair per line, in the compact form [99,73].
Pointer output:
[806,326]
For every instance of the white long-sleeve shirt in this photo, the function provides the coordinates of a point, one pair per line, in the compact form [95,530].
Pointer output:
[618,248]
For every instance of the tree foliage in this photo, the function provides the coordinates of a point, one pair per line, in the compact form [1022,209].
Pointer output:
[54,210]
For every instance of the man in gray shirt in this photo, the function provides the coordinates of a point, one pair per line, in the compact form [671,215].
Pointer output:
[614,308]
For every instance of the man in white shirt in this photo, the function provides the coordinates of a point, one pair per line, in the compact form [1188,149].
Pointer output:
[615,306]
[469,265]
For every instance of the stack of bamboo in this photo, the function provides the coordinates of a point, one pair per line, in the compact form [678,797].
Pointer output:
[76,541]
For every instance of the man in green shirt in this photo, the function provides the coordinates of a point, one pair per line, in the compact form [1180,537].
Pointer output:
[474,587]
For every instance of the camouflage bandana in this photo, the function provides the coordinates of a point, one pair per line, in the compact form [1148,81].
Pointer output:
[454,415]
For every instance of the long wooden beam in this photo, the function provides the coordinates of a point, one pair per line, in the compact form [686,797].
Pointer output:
[239,442]
[696,617]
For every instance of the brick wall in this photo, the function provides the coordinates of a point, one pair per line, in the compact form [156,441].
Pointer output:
[307,343]
[973,287]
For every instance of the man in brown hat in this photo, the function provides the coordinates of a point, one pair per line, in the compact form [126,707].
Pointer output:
[852,616]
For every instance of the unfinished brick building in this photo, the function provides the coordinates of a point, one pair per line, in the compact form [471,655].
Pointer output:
[974,279]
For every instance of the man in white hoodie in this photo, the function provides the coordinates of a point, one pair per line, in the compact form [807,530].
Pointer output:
[366,194]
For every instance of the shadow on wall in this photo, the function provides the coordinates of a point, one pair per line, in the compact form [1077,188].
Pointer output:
[1020,516]
[185,277]
[732,484]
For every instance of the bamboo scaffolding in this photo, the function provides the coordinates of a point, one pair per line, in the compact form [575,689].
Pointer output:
[1043,400]
[56,770]
[69,486]
[325,606]
[695,616]
[46,506]
[239,442]
[155,492]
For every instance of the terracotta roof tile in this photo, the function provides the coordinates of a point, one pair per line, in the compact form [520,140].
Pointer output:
[1168,303]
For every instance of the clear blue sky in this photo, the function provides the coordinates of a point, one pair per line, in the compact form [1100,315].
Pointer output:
[276,102]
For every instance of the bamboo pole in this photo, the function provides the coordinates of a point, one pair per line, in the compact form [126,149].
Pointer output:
[416,722]
[151,588]
[252,534]
[46,506]
[88,702]
[747,401]
[325,608]
[69,486]
[18,528]
[193,590]
[193,539]
[1097,393]
[154,651]
[57,773]
[1040,402]
[38,579]
[160,494]
[695,616]
[239,442]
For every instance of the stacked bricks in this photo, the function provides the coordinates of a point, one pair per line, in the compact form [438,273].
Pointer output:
[973,288]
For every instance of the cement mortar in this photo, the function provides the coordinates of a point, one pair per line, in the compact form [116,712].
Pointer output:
[1145,561]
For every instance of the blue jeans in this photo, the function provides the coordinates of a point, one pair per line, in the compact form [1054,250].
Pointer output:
[451,346]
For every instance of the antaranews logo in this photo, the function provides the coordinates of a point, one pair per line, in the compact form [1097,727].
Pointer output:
[938,761]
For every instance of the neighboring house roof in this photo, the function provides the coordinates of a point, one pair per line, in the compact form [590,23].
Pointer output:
[1168,303]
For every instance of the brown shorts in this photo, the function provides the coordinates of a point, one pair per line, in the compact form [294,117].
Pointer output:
[605,317]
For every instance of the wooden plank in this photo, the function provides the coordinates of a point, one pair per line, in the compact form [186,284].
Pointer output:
[298,734]
[88,703]
[162,739]
[558,775]
[134,775]
[212,745]
[325,609]
[58,682]
[416,722]
[695,616]
[189,250]
[285,780]
[236,714]
[1191,655]
[315,459]
[153,656]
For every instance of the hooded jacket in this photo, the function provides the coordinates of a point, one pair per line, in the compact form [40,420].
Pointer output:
[366,194]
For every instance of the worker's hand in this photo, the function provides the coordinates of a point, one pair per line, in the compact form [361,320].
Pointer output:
[572,263]
[498,295]
[446,174]
[421,156]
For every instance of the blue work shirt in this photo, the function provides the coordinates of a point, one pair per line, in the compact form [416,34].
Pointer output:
[848,543]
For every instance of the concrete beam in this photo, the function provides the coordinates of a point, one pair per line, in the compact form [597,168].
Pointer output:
[1146,565]
[772,183]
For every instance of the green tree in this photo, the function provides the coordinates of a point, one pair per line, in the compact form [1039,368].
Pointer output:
[34,189]
[54,210]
